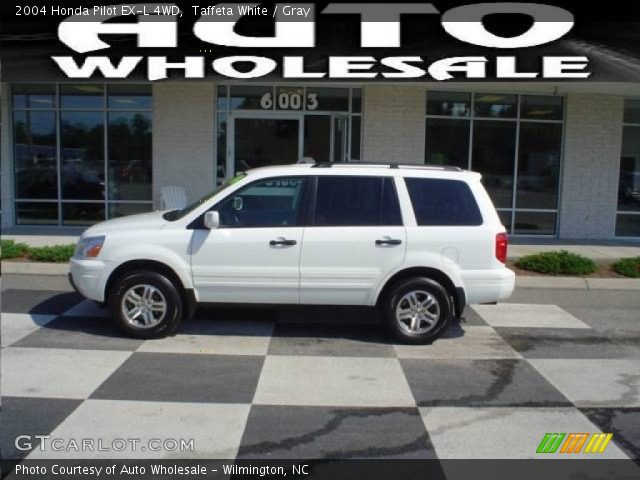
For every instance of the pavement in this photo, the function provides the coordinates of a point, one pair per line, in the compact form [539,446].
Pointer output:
[322,382]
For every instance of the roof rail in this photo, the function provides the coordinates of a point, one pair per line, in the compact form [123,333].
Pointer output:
[445,168]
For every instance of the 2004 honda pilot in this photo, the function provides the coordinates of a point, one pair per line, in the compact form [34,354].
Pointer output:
[419,243]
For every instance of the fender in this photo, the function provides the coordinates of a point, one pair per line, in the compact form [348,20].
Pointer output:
[424,260]
[157,253]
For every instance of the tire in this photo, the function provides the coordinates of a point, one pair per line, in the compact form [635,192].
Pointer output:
[431,312]
[152,300]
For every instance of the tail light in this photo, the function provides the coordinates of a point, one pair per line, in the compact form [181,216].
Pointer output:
[502,242]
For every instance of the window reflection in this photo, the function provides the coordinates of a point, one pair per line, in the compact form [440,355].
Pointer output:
[82,152]
[129,155]
[493,129]
[447,142]
[628,218]
[539,165]
[493,155]
[35,154]
[451,104]
[77,162]
[495,105]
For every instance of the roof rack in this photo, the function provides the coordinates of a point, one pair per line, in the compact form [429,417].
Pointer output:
[445,168]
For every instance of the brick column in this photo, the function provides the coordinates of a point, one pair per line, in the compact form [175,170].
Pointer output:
[593,142]
[183,137]
[394,124]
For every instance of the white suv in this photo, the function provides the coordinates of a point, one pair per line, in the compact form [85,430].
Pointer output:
[419,243]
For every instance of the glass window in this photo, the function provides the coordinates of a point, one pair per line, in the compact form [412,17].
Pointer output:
[251,98]
[628,226]
[130,155]
[222,98]
[356,100]
[35,154]
[538,107]
[535,223]
[80,214]
[632,111]
[32,213]
[447,142]
[539,165]
[68,165]
[493,156]
[451,104]
[355,201]
[123,209]
[505,218]
[129,97]
[629,185]
[494,105]
[328,99]
[221,152]
[267,203]
[82,151]
[356,123]
[628,219]
[36,95]
[81,96]
[439,202]
[317,137]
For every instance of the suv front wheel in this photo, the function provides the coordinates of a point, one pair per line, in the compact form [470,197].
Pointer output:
[145,304]
[417,310]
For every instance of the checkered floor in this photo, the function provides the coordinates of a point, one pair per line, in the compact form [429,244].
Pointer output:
[314,383]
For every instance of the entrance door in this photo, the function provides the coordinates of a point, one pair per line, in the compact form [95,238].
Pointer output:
[260,141]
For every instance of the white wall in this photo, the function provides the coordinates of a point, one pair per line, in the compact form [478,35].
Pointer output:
[183,137]
[593,142]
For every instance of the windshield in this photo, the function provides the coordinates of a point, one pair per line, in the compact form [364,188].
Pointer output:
[174,215]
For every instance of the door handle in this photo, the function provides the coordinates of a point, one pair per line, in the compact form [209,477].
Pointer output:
[282,242]
[388,241]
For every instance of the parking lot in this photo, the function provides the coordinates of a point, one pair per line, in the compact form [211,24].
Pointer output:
[321,382]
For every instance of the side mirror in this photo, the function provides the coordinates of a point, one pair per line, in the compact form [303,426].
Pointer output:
[212,220]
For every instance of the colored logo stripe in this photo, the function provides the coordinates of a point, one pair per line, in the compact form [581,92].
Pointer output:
[598,442]
[574,442]
[550,442]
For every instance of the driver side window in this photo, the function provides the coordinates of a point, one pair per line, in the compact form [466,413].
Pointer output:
[273,202]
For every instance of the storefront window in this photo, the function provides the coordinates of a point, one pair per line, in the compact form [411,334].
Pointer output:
[447,142]
[628,217]
[516,144]
[260,125]
[77,149]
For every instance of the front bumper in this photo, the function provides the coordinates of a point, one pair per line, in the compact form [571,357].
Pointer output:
[89,277]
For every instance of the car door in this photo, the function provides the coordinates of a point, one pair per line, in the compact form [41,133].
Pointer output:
[254,255]
[354,237]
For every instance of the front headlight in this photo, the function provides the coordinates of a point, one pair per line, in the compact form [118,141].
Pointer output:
[89,247]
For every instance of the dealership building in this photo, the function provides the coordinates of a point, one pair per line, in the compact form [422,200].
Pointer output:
[559,160]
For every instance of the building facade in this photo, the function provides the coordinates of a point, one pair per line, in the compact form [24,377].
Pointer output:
[559,161]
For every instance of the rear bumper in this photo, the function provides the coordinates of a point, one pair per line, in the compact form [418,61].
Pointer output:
[488,286]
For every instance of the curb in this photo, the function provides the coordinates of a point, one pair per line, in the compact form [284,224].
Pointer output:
[34,268]
[523,281]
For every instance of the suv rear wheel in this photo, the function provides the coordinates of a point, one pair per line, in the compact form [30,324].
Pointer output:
[145,304]
[417,310]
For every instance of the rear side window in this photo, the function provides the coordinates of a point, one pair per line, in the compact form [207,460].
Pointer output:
[438,202]
[356,201]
